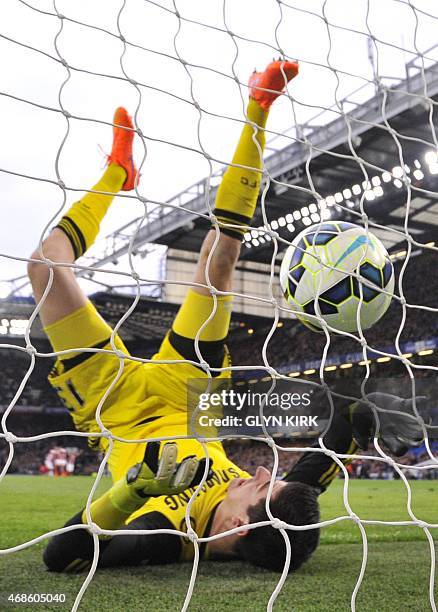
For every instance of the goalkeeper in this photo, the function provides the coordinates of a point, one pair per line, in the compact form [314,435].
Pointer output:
[153,483]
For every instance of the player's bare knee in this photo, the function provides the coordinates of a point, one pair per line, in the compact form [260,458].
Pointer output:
[54,249]
[36,268]
[39,271]
[224,260]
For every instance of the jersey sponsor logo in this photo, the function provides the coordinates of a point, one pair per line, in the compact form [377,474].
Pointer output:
[219,477]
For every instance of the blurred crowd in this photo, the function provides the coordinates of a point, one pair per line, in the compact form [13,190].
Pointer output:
[38,457]
[37,392]
[29,457]
[249,454]
[293,342]
[373,470]
[38,409]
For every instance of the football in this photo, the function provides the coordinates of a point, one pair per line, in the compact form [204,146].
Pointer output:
[322,261]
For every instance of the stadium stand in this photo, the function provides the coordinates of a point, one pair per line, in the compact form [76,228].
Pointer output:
[293,342]
[32,421]
[38,409]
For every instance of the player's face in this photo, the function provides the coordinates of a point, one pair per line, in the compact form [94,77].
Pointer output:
[246,492]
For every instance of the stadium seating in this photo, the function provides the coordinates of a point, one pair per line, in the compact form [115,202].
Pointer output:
[39,410]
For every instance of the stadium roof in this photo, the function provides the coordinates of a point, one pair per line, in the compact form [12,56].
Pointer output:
[333,171]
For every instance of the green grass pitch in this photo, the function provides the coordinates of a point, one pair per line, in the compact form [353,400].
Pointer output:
[396,579]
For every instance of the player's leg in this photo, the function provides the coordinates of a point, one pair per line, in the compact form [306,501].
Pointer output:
[238,192]
[67,315]
[235,205]
[64,246]
[78,229]
[69,318]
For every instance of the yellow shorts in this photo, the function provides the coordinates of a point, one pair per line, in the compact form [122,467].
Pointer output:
[143,394]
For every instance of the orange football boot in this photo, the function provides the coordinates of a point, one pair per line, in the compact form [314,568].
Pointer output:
[271,78]
[121,152]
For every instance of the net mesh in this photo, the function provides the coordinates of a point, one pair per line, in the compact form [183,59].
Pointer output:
[388,95]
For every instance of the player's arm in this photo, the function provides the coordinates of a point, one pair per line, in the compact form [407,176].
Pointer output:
[354,426]
[153,477]
[73,551]
[390,418]
[318,469]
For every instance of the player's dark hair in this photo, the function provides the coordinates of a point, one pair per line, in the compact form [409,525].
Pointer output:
[296,504]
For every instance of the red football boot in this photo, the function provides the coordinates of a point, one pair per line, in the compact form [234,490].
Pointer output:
[271,78]
[121,152]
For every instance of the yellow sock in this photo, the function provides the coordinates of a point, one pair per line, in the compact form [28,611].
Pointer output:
[81,224]
[196,309]
[237,195]
[106,514]
[83,327]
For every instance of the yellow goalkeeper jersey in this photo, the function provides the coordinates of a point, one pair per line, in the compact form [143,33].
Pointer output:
[174,507]
[149,401]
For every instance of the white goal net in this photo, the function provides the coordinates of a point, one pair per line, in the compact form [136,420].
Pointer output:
[359,70]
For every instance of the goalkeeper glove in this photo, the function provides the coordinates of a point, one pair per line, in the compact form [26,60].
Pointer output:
[155,476]
[398,429]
